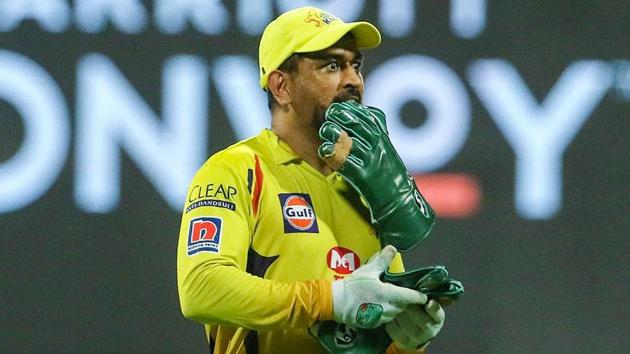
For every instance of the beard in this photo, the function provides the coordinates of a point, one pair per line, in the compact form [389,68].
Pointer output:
[351,94]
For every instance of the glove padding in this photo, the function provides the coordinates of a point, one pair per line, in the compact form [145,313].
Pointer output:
[416,326]
[400,214]
[433,281]
[362,300]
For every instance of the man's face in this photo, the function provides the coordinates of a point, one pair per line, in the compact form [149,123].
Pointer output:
[327,76]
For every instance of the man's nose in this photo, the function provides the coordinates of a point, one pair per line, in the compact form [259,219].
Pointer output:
[352,77]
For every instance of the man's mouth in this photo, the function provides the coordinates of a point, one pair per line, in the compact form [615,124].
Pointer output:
[348,96]
[345,98]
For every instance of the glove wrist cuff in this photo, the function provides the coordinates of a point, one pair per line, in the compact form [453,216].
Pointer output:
[394,349]
[337,301]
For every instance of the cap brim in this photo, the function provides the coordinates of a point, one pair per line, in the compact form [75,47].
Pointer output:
[366,35]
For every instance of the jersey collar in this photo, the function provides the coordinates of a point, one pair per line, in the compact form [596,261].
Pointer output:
[281,151]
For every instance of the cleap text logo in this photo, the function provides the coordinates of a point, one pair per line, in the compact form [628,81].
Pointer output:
[342,260]
[204,235]
[298,213]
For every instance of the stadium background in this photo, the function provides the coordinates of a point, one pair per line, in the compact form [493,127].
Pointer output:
[540,238]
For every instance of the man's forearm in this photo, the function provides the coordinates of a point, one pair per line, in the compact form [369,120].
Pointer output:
[224,294]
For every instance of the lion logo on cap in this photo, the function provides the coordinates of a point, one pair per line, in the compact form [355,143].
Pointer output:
[318,18]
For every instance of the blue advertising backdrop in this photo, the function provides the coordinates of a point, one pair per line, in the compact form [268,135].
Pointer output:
[513,115]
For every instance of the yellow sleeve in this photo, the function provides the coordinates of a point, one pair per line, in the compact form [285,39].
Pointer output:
[214,240]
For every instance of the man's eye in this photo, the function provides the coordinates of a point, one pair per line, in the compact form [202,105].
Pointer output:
[333,66]
[356,65]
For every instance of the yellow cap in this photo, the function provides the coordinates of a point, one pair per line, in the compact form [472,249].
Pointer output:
[307,29]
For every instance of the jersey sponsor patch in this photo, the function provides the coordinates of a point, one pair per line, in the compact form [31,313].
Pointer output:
[342,260]
[212,191]
[204,235]
[298,213]
[211,203]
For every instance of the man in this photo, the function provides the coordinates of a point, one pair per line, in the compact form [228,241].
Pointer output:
[271,235]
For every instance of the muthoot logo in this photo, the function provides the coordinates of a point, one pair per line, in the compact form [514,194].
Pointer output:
[342,260]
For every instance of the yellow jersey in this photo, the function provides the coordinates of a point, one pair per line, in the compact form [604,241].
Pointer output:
[262,237]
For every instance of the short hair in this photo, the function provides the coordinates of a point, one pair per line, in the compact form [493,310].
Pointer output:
[290,65]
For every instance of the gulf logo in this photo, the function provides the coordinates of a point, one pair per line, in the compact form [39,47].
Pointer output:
[298,213]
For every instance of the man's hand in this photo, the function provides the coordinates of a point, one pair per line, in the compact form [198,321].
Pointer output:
[362,300]
[416,326]
[399,213]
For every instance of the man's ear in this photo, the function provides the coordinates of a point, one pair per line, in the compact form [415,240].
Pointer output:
[277,84]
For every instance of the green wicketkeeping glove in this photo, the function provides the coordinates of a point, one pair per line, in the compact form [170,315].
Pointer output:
[416,326]
[433,281]
[400,215]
